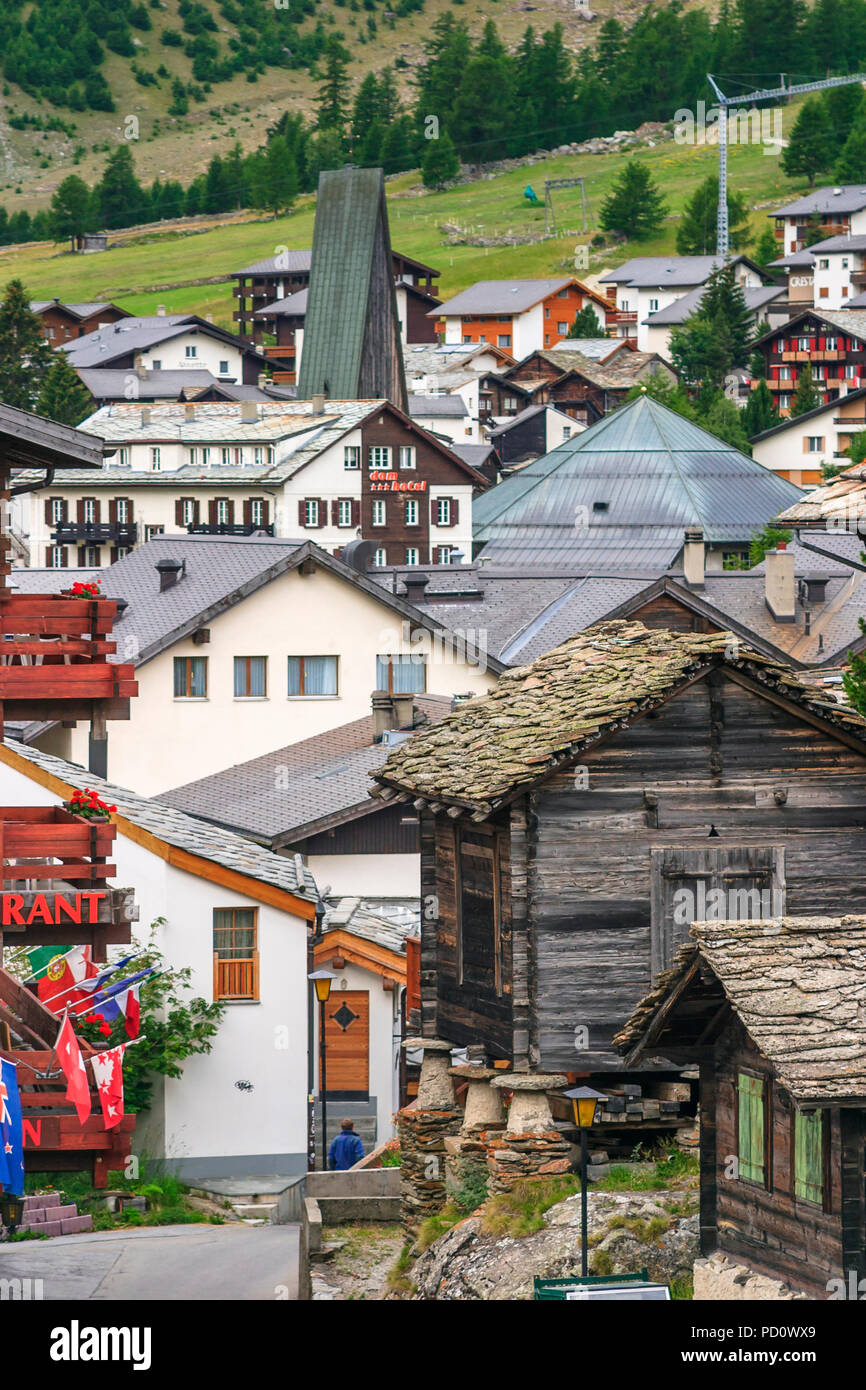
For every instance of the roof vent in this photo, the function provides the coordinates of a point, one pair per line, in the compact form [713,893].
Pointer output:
[416,585]
[601,506]
[813,588]
[121,604]
[169,572]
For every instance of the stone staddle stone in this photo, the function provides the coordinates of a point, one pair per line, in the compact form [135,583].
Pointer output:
[529,1112]
[435,1087]
[483,1105]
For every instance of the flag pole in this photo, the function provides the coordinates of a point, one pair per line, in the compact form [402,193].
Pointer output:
[43,1075]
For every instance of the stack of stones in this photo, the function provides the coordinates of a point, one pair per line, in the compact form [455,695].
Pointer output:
[46,1214]
[531,1146]
[483,1123]
[423,1129]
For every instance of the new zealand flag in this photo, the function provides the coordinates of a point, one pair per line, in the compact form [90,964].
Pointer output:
[11,1131]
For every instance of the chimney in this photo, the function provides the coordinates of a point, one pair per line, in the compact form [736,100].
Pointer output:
[404,711]
[779,591]
[189,411]
[318,404]
[139,367]
[694,557]
[145,416]
[382,714]
[416,585]
[160,309]
[208,318]
[249,410]
[262,380]
[169,572]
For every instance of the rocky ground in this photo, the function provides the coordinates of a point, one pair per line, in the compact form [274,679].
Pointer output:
[358,1266]
[628,1231]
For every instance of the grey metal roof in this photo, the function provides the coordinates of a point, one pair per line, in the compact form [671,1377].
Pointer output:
[526,414]
[849,198]
[650,272]
[796,258]
[112,383]
[839,244]
[474,454]
[679,311]
[858,301]
[327,775]
[629,484]
[293,305]
[79,311]
[185,832]
[286,263]
[450,405]
[140,334]
[500,296]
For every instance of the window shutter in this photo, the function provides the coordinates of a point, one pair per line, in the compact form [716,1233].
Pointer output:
[82,556]
[356,512]
[79,511]
[129,510]
[212,512]
[335,513]
[113,553]
[48,550]
[323,511]
[750,1127]
[248,512]
[302,512]
[196,512]
[97,509]
[455,511]
[112,511]
[266,513]
[48,509]
[809,1156]
[178,512]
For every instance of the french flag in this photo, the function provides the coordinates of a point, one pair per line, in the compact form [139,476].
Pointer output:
[129,1007]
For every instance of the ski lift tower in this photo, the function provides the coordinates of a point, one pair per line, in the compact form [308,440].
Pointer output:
[549,214]
[765,94]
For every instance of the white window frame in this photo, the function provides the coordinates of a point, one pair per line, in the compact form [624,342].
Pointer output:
[121,510]
[352,456]
[407,455]
[413,517]
[379,456]
[344,511]
[443,511]
[311,511]
[380,557]
[380,512]
[57,557]
[257,511]
[222,511]
[190,351]
[187,511]
[155,458]
[412,555]
[123,456]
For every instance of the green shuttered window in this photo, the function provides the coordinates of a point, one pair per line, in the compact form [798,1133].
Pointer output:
[751,1127]
[809,1157]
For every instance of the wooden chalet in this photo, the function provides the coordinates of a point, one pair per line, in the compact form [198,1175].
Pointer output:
[574,820]
[583,387]
[55,867]
[774,1014]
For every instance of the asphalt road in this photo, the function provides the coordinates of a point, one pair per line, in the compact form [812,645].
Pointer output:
[193,1263]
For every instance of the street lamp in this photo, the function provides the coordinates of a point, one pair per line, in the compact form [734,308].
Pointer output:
[322,980]
[11,1211]
[313,940]
[584,1101]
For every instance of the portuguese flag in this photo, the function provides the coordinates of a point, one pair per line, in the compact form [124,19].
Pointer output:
[57,987]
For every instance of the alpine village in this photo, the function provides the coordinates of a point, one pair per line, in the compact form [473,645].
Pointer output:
[433,667]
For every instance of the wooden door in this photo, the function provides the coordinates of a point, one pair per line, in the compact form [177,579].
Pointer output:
[347,1040]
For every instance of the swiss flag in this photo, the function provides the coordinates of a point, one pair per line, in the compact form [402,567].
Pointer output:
[108,1071]
[70,1059]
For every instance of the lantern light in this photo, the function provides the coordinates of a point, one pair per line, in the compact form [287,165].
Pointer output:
[11,1210]
[584,1101]
[322,979]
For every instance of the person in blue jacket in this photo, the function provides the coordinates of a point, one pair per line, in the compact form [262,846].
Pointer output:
[346,1150]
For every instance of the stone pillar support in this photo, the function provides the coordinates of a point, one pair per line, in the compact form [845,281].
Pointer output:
[531,1146]
[423,1128]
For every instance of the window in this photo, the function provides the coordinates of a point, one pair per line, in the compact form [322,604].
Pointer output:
[379,456]
[401,675]
[562,329]
[311,511]
[251,677]
[735,559]
[205,456]
[380,556]
[443,555]
[823,263]
[819,373]
[751,1128]
[312,675]
[224,368]
[193,456]
[851,370]
[190,677]
[547,340]
[411,511]
[412,555]
[784,373]
[151,531]
[562,294]
[123,456]
[90,558]
[222,511]
[407,456]
[58,510]
[257,512]
[653,306]
[503,340]
[190,350]
[844,262]
[479,954]
[814,444]
[156,459]
[784,401]
[509,403]
[710,885]
[258,455]
[624,307]
[187,511]
[344,511]
[443,511]
[352,456]
[823,292]
[156,364]
[809,1157]
[225,457]
[804,344]
[235,953]
[379,512]
[831,344]
[566,431]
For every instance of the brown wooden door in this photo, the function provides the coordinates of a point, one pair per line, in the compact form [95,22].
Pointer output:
[347,1039]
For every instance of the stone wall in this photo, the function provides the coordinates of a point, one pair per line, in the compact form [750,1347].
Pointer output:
[720,1278]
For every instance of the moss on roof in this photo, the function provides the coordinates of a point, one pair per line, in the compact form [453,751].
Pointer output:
[542,715]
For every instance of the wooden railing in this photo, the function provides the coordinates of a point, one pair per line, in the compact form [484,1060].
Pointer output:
[48,844]
[236,979]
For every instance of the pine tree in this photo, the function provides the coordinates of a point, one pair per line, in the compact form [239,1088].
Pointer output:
[854,679]
[333,94]
[723,418]
[397,154]
[63,396]
[806,394]
[441,163]
[71,210]
[696,233]
[586,325]
[120,194]
[723,304]
[767,248]
[635,207]
[25,357]
[281,176]
[760,412]
[851,165]
[812,143]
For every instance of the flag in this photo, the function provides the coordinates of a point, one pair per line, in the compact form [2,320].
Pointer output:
[70,1059]
[96,982]
[130,1006]
[112,991]
[108,1073]
[11,1131]
[39,957]
[125,1003]
[58,987]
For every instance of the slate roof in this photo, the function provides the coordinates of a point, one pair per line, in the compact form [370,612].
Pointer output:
[839,503]
[112,384]
[286,263]
[839,244]
[291,306]
[79,311]
[542,716]
[500,297]
[328,776]
[387,924]
[185,832]
[140,334]
[450,406]
[29,441]
[625,364]
[657,472]
[679,311]
[850,198]
[797,984]
[858,301]
[439,358]
[651,272]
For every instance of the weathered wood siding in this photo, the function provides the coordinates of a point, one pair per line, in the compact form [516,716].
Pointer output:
[716,755]
[768,1227]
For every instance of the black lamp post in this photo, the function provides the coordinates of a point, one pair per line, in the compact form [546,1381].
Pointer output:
[11,1211]
[312,942]
[584,1101]
[322,981]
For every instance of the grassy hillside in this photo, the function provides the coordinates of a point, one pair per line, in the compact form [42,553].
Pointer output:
[136,272]
[33,162]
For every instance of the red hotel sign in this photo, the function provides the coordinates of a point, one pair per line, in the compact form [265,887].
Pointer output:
[381,481]
[49,909]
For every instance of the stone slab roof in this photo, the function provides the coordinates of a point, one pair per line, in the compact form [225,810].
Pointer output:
[543,715]
[841,502]
[798,984]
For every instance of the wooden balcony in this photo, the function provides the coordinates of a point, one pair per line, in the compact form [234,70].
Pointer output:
[54,659]
[95,533]
[226,528]
[236,979]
